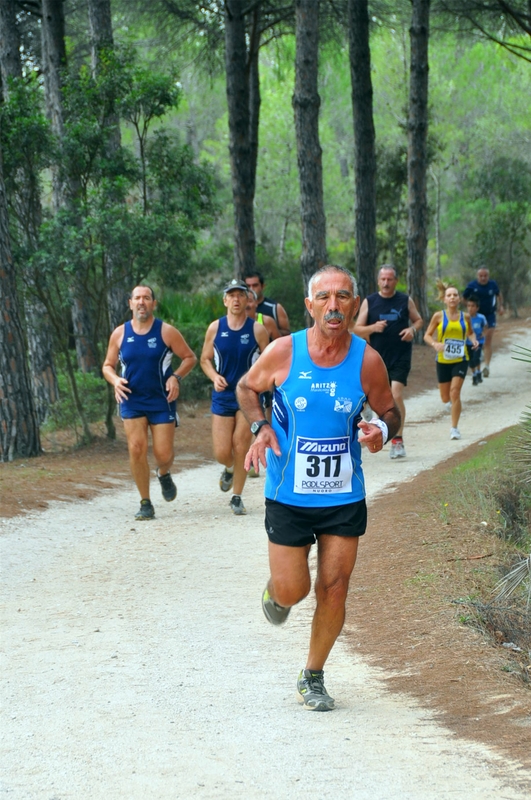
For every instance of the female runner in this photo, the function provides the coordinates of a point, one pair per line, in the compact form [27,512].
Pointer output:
[447,334]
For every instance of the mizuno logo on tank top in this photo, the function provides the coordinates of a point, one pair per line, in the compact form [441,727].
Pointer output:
[322,446]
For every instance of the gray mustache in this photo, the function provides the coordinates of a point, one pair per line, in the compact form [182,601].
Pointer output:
[334,315]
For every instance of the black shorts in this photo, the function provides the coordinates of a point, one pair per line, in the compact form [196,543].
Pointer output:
[400,370]
[298,526]
[445,372]
[474,356]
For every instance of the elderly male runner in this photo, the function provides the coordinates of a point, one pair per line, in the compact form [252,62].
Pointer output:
[147,391]
[389,320]
[320,378]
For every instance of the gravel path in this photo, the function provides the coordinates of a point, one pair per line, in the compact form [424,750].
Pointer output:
[137,664]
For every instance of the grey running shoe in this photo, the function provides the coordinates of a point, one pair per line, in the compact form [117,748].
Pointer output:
[311,691]
[274,613]
[397,449]
[225,481]
[237,506]
[454,433]
[168,487]
[486,371]
[146,510]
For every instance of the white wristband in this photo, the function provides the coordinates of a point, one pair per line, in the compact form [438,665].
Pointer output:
[383,427]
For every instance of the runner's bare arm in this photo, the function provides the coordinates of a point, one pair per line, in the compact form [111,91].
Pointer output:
[121,389]
[408,334]
[175,340]
[271,368]
[375,382]
[207,358]
[432,327]
[261,335]
[361,328]
[271,326]
[283,321]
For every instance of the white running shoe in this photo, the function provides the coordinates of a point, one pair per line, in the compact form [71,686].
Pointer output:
[454,433]
[448,405]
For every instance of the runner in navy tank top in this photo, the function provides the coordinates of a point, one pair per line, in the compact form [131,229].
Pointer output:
[315,490]
[232,344]
[147,391]
[389,320]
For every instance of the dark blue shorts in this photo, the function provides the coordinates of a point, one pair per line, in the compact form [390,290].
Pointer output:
[298,526]
[155,416]
[491,320]
[224,404]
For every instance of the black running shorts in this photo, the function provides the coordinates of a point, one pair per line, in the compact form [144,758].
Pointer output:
[298,526]
[399,370]
[445,372]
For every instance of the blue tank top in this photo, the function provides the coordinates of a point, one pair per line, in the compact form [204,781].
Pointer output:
[146,365]
[234,351]
[315,414]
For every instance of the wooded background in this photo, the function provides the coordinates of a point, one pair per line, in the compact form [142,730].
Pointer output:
[181,143]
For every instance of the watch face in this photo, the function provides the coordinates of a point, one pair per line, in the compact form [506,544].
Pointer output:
[255,427]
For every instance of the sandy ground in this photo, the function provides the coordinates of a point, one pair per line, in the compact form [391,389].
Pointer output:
[137,663]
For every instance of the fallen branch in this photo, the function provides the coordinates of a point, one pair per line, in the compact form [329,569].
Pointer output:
[470,558]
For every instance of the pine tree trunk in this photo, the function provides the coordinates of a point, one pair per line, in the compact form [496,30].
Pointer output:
[238,73]
[118,281]
[19,427]
[417,159]
[10,65]
[306,103]
[66,194]
[364,145]
[42,368]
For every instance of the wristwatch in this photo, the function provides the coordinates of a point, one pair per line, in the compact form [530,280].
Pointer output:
[255,427]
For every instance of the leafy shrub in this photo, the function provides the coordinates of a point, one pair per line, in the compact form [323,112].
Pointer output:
[93,391]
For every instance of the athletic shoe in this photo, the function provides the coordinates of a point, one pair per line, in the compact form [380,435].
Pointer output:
[480,379]
[168,487]
[311,691]
[454,433]
[397,448]
[225,481]
[146,510]
[486,371]
[448,405]
[274,613]
[253,473]
[475,380]
[237,506]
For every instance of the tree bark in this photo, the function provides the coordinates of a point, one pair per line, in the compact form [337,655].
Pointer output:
[42,368]
[417,159]
[239,70]
[119,282]
[19,427]
[364,145]
[306,103]
[10,63]
[67,191]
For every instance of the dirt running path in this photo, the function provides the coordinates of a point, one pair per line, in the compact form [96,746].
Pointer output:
[137,663]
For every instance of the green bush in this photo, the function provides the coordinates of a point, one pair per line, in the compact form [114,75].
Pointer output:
[93,392]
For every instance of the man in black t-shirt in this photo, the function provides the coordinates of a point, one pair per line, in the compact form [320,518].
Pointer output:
[266,306]
[388,320]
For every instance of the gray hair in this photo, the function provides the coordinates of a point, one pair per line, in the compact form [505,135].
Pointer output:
[388,267]
[332,268]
